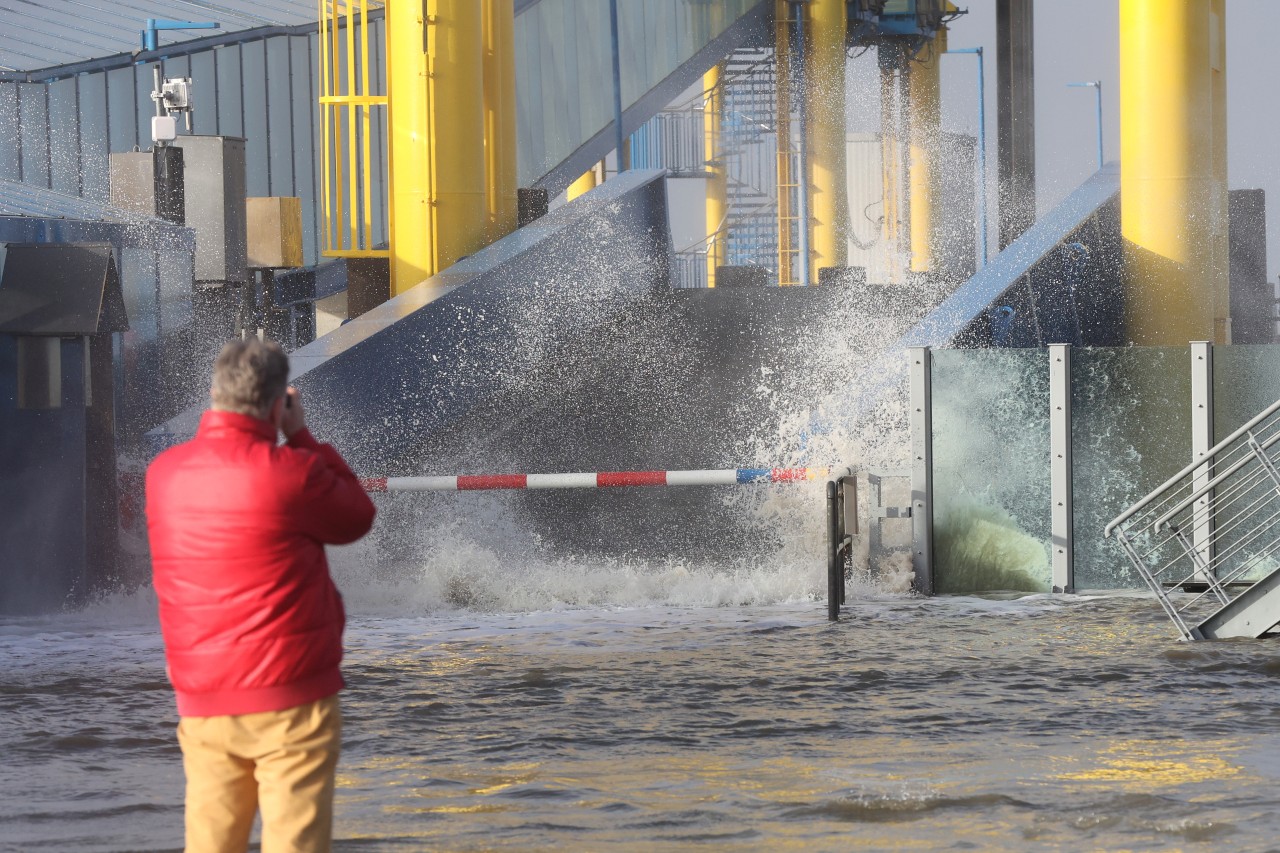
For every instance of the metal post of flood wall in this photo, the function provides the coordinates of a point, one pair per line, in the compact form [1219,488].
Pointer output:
[1063,498]
[1201,442]
[921,469]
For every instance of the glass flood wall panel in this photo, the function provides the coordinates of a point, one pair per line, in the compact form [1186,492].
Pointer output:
[991,489]
[1131,431]
[1246,380]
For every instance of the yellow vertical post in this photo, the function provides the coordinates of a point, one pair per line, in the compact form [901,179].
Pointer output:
[332,88]
[786,176]
[584,184]
[325,76]
[410,217]
[353,180]
[366,111]
[1168,203]
[924,123]
[824,104]
[500,116]
[455,44]
[717,182]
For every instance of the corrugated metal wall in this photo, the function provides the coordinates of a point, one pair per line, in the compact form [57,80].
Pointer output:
[265,90]
[564,72]
[58,134]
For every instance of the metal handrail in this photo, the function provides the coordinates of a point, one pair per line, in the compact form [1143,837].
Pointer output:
[1191,468]
[1212,526]
[1162,521]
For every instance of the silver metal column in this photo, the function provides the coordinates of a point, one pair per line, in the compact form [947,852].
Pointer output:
[921,469]
[1201,442]
[1064,568]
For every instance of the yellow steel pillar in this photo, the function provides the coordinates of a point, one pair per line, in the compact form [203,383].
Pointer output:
[1167,179]
[924,123]
[824,105]
[499,24]
[584,184]
[717,182]
[411,217]
[456,46]
[436,145]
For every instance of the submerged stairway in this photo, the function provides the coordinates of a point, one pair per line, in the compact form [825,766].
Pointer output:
[1206,541]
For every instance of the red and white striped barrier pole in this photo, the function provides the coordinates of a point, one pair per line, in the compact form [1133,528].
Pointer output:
[597,480]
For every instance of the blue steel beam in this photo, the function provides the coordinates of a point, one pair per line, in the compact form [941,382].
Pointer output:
[151,34]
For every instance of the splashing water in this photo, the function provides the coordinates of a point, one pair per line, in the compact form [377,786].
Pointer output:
[983,549]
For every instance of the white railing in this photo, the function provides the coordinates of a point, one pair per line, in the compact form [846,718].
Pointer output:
[689,270]
[1212,531]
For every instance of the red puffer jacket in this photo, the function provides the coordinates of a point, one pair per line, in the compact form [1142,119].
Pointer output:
[251,619]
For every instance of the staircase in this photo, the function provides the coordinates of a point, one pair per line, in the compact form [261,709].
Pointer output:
[1206,541]
[748,140]
[748,147]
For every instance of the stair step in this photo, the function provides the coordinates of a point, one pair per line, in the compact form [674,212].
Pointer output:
[1252,613]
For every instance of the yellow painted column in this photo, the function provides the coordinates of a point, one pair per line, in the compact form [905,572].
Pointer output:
[584,184]
[456,47]
[717,182]
[824,103]
[924,123]
[1167,182]
[500,116]
[410,214]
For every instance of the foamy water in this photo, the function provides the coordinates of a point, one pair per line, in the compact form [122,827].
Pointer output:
[1046,722]
[504,695]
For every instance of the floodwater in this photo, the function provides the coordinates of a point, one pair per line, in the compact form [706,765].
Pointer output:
[1043,722]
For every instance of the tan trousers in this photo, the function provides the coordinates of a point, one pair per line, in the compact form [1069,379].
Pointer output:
[281,762]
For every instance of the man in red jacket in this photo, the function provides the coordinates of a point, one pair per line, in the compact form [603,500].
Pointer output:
[252,622]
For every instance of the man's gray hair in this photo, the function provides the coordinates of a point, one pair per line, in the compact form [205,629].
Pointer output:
[248,376]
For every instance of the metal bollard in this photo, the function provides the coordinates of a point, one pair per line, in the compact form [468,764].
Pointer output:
[842,526]
[835,565]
